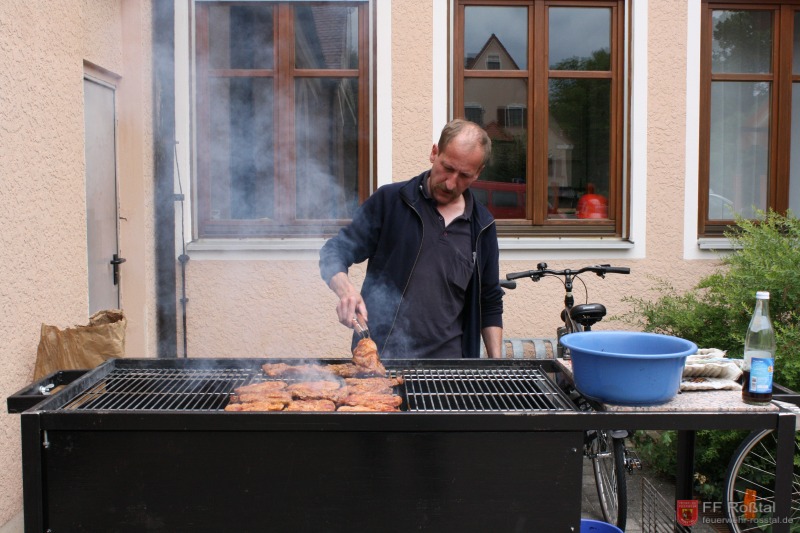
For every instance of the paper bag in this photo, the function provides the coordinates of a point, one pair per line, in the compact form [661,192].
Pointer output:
[81,347]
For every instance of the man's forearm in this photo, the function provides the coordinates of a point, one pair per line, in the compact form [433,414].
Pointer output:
[493,339]
[341,285]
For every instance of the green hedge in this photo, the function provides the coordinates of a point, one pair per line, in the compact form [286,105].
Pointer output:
[715,314]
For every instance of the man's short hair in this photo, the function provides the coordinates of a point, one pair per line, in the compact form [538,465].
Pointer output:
[475,133]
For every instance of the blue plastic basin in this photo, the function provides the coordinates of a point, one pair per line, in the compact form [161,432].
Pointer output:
[626,367]
[596,526]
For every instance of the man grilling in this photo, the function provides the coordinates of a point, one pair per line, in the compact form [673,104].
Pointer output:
[432,284]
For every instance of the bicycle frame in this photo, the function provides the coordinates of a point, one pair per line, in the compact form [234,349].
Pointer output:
[588,314]
[606,449]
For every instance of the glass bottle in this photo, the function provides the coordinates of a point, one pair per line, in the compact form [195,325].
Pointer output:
[759,354]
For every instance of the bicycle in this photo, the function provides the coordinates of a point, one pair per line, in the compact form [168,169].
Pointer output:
[748,497]
[611,459]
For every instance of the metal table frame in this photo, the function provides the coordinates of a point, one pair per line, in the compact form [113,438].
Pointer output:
[689,422]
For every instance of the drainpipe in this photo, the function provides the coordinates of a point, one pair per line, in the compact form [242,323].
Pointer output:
[164,163]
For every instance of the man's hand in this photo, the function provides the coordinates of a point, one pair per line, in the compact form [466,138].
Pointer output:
[350,300]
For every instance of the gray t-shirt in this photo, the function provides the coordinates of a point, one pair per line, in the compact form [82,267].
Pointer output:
[429,322]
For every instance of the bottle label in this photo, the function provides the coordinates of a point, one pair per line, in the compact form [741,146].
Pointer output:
[761,375]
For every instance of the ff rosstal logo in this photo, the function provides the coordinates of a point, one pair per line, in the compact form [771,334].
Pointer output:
[687,512]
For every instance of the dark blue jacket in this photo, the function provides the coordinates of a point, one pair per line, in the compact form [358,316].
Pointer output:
[387,230]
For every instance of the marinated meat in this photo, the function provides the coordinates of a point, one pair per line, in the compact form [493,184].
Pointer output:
[371,399]
[278,396]
[264,386]
[376,385]
[368,408]
[316,390]
[317,387]
[311,405]
[365,356]
[275,369]
[347,370]
[256,406]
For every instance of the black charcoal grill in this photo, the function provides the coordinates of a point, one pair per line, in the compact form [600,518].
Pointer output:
[138,385]
[481,445]
[145,445]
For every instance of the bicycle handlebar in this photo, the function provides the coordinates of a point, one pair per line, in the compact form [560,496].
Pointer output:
[542,270]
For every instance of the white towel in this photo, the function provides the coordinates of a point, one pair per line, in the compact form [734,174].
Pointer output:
[709,369]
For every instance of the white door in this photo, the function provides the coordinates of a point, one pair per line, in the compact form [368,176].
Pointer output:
[101,196]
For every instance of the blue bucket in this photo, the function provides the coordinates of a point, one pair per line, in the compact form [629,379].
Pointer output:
[628,367]
[596,526]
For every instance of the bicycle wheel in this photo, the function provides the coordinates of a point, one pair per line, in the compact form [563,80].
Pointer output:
[751,476]
[608,462]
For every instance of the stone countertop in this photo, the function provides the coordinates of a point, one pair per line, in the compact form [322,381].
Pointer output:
[686,401]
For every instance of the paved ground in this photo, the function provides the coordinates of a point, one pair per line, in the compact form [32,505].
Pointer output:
[650,502]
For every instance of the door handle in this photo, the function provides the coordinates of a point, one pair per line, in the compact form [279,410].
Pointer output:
[116,261]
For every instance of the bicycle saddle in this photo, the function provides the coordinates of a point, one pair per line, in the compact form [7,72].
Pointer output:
[588,314]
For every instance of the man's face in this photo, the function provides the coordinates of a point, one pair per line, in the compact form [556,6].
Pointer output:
[454,169]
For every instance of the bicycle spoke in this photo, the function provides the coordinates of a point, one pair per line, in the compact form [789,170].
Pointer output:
[754,468]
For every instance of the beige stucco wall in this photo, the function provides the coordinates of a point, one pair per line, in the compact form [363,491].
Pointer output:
[43,265]
[239,308]
[245,305]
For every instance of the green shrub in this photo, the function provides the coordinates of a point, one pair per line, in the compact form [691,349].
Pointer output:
[713,450]
[715,314]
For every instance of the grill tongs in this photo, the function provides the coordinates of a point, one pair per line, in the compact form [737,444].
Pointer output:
[362,330]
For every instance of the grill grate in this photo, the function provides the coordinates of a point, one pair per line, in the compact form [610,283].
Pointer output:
[478,390]
[163,389]
[506,389]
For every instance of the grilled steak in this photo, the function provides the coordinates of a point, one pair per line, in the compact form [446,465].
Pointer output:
[311,405]
[316,390]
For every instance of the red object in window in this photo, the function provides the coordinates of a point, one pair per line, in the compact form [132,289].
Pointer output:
[592,205]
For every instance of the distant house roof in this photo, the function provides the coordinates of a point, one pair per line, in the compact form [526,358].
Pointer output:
[496,133]
[492,39]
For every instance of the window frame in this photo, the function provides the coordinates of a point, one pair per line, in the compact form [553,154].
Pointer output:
[538,74]
[781,78]
[285,75]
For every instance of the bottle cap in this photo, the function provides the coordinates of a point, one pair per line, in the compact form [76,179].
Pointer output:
[762,295]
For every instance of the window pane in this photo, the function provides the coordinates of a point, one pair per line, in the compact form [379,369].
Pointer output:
[242,170]
[739,140]
[578,147]
[796,51]
[794,154]
[741,42]
[501,32]
[326,115]
[240,37]
[589,52]
[326,36]
[500,107]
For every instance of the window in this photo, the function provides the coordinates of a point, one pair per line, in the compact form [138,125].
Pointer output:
[473,112]
[282,118]
[750,105]
[493,62]
[547,81]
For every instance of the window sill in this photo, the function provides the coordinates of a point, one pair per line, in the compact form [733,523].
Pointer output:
[308,248]
[255,249]
[564,243]
[715,243]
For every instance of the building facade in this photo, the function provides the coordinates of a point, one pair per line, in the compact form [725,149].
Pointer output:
[214,146]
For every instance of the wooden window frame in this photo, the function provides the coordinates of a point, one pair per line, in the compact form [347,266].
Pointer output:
[781,78]
[285,75]
[538,74]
